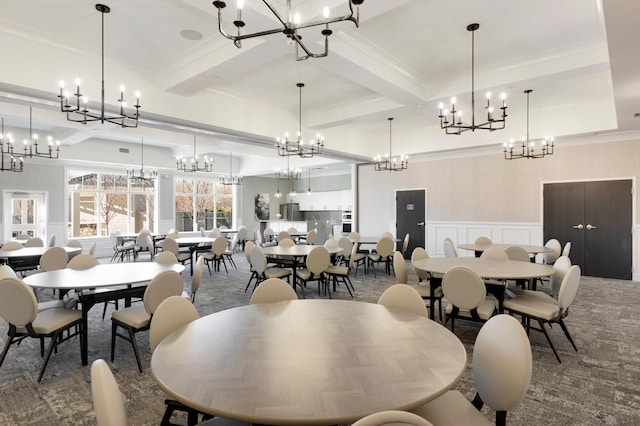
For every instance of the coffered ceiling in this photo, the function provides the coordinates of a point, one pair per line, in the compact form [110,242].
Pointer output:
[578,56]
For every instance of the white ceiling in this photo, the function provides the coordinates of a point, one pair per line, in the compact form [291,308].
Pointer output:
[579,57]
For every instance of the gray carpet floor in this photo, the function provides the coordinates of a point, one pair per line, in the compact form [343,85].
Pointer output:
[598,385]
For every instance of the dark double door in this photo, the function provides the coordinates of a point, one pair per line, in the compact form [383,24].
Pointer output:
[410,218]
[596,217]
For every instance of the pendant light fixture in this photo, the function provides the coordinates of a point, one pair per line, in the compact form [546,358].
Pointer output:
[193,166]
[309,188]
[528,149]
[8,163]
[389,163]
[231,180]
[451,119]
[290,24]
[80,112]
[287,148]
[142,175]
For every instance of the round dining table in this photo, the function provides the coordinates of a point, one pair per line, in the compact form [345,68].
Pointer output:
[294,256]
[531,249]
[28,258]
[486,268]
[115,276]
[195,244]
[308,362]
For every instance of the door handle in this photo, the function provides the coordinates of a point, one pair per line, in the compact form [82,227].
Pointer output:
[590,227]
[421,223]
[579,226]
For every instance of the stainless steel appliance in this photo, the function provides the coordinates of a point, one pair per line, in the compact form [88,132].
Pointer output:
[347,221]
[290,211]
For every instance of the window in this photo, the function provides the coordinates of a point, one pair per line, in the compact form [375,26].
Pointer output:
[101,203]
[202,204]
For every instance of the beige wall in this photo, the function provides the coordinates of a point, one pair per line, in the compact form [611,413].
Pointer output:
[488,188]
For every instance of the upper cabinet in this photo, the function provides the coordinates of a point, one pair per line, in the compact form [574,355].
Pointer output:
[326,200]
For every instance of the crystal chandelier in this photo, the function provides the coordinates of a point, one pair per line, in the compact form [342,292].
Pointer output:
[30,147]
[231,180]
[390,163]
[451,119]
[141,174]
[290,24]
[287,148]
[528,148]
[193,166]
[10,163]
[80,112]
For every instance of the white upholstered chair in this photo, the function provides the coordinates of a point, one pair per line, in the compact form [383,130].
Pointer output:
[262,270]
[34,242]
[550,257]
[108,403]
[273,290]
[318,261]
[501,365]
[424,281]
[383,254]
[467,296]
[449,248]
[392,418]
[402,296]
[483,240]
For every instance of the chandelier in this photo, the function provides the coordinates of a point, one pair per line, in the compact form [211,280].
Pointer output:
[290,24]
[390,163]
[80,112]
[289,173]
[528,148]
[451,120]
[231,180]
[193,166]
[287,148]
[141,174]
[10,164]
[30,147]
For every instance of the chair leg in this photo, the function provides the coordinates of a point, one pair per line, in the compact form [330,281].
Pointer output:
[566,333]
[52,345]
[544,330]
[113,340]
[135,349]
[6,349]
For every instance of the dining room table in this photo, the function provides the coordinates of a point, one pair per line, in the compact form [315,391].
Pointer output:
[28,258]
[195,245]
[488,269]
[294,256]
[308,362]
[117,277]
[532,249]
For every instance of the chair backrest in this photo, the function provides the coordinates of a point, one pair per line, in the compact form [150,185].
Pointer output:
[23,237]
[107,398]
[292,230]
[400,268]
[420,253]
[219,246]
[165,284]
[282,235]
[353,234]
[331,242]
[7,272]
[463,288]
[267,234]
[312,236]
[569,287]
[567,249]
[517,253]
[197,276]
[18,303]
[214,233]
[551,257]
[257,236]
[92,249]
[234,241]
[141,241]
[560,268]
[405,243]
[165,257]
[502,345]
[384,247]
[346,245]
[172,313]
[258,259]
[170,245]
[449,248]
[113,239]
[392,418]
[150,245]
[145,231]
[34,242]
[53,258]
[52,241]
[247,250]
[482,240]
[353,255]
[402,296]
[494,253]
[82,261]
[272,290]
[318,260]
[386,234]
[242,233]
[12,245]
[74,243]
[286,242]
